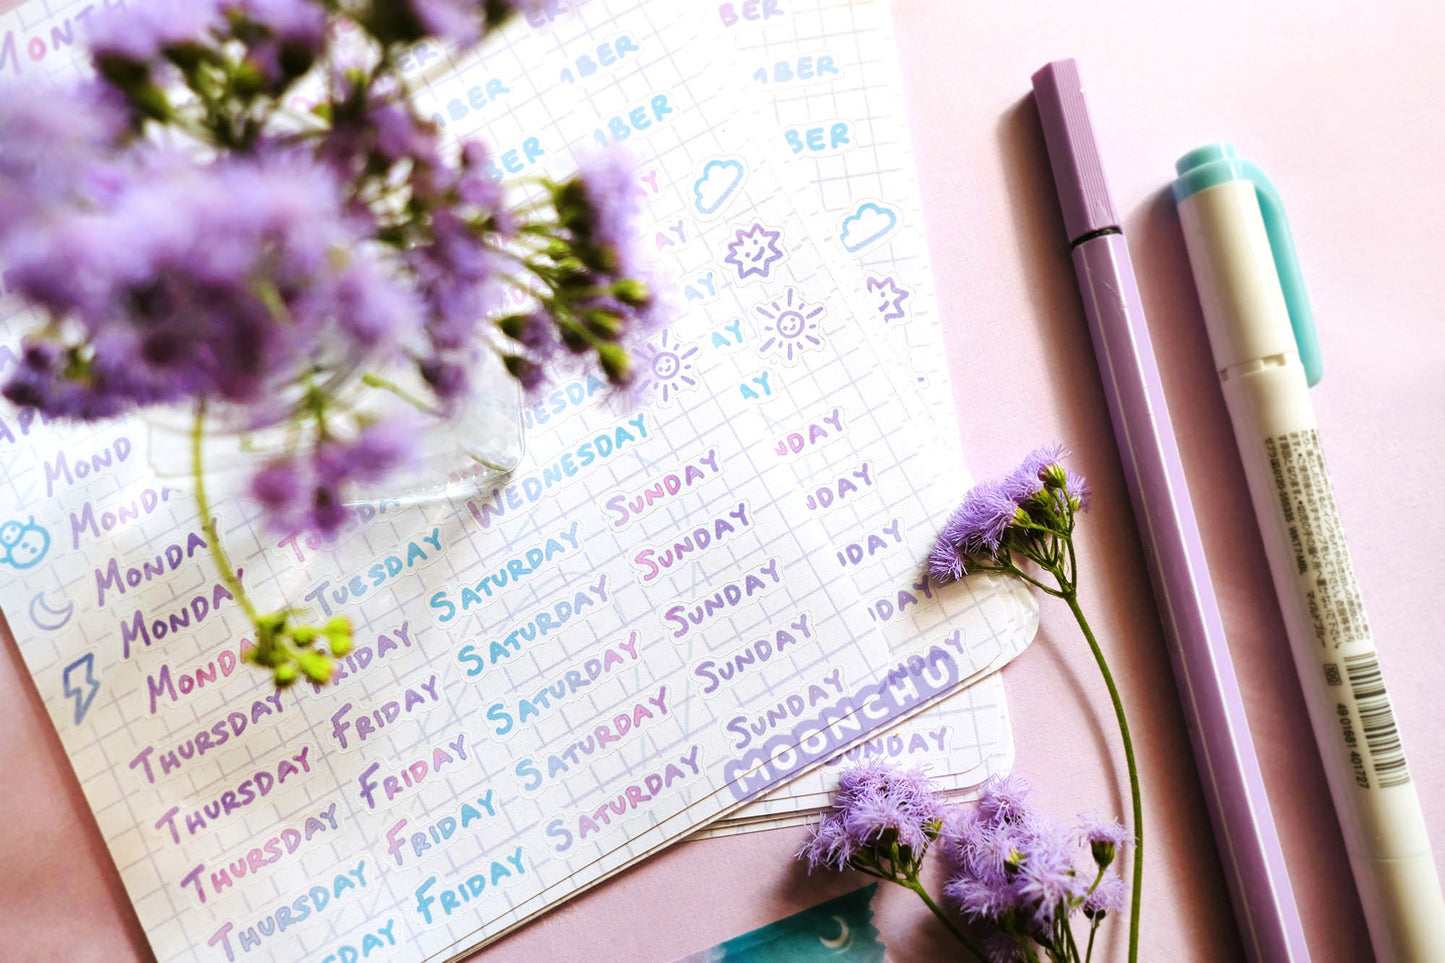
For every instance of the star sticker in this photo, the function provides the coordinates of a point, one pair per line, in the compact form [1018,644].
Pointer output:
[889,297]
[754,251]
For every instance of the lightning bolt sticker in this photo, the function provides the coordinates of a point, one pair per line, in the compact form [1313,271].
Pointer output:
[77,690]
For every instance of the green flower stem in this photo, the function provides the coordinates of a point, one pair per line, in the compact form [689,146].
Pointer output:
[1072,598]
[917,887]
[377,381]
[208,523]
[1072,946]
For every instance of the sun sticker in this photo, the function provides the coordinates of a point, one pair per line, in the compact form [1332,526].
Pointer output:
[664,368]
[793,327]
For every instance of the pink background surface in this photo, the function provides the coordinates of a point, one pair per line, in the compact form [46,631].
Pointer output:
[1340,103]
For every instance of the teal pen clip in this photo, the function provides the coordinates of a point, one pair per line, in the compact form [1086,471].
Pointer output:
[1216,164]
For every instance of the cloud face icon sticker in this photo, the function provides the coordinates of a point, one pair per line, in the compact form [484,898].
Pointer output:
[720,178]
[867,224]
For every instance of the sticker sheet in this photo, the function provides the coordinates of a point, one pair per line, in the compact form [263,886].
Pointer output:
[827,72]
[548,665]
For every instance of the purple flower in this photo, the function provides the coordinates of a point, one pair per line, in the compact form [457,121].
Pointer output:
[978,525]
[53,142]
[885,818]
[222,280]
[1107,897]
[448,379]
[1027,479]
[400,135]
[307,492]
[986,850]
[1078,490]
[277,486]
[298,24]
[327,513]
[874,779]
[371,305]
[140,32]
[457,21]
[877,806]
[474,186]
[377,449]
[831,846]
[1104,837]
[1006,801]
[945,562]
[608,210]
[991,509]
[1047,881]
[456,274]
[980,899]
[38,382]
[1015,868]
[528,373]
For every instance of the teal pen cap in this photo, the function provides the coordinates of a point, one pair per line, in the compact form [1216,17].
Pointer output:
[1215,164]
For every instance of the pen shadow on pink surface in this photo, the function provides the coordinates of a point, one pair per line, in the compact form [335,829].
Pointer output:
[45,867]
[1119,598]
[1279,722]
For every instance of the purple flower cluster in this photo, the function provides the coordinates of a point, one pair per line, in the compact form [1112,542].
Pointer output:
[1015,869]
[980,526]
[461,22]
[305,493]
[280,254]
[1012,871]
[882,821]
[222,281]
[48,147]
[603,309]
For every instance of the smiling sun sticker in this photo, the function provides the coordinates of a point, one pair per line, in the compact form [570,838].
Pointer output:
[793,326]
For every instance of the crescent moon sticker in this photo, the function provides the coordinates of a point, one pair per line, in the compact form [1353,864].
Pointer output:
[48,618]
[844,940]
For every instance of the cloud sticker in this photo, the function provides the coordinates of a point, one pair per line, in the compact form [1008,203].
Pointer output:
[718,181]
[869,223]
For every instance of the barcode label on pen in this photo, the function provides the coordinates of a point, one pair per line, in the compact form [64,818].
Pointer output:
[1377,719]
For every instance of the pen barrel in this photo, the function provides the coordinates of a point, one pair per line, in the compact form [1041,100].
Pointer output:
[1334,654]
[1229,773]
[1265,387]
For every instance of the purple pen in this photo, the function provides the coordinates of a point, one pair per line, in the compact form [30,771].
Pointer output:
[1244,831]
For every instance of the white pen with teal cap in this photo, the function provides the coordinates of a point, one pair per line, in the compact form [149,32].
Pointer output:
[1264,344]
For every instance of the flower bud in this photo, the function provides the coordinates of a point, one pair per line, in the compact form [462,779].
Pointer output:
[616,365]
[1053,476]
[632,293]
[527,372]
[248,79]
[603,323]
[513,325]
[574,339]
[338,635]
[315,666]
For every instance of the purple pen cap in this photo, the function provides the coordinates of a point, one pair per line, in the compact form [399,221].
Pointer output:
[1073,154]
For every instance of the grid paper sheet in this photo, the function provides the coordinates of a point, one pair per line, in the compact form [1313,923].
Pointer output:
[237,815]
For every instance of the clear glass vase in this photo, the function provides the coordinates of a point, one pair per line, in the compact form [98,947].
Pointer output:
[454,454]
